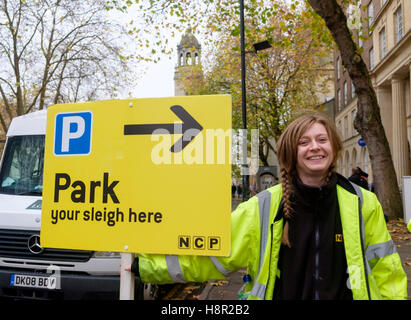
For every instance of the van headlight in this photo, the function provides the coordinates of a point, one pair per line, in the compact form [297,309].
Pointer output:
[105,254]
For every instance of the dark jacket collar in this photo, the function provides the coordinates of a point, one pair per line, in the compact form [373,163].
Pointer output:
[309,199]
[345,183]
[309,193]
[340,180]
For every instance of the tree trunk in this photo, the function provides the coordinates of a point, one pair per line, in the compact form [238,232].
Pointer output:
[368,120]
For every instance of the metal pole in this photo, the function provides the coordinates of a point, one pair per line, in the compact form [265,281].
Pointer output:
[243,100]
[126,278]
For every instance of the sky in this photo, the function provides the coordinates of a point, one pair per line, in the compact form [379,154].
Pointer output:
[158,80]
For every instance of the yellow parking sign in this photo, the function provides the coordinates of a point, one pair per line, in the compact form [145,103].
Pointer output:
[140,175]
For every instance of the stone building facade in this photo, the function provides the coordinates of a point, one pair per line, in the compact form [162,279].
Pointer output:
[387,54]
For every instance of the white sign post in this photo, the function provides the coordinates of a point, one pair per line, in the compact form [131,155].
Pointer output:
[406,197]
[126,278]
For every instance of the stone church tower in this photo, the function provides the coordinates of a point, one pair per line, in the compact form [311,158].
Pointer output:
[188,55]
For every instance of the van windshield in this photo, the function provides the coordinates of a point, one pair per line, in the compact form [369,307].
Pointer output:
[22,169]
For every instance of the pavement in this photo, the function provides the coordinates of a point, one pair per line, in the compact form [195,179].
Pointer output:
[402,240]
[224,289]
[228,289]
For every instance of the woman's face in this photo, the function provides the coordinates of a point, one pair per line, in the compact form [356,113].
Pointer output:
[314,155]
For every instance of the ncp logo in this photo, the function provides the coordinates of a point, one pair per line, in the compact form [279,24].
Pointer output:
[73,133]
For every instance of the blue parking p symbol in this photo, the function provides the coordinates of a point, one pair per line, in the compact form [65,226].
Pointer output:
[73,133]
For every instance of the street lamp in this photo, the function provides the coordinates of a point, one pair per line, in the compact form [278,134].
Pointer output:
[257,47]
[261,46]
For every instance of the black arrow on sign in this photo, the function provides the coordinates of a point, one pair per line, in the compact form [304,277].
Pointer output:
[190,128]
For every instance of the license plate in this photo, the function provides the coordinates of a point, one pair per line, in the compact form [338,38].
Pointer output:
[29,281]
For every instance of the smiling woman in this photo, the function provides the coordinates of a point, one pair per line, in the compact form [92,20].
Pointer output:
[313,237]
[314,155]
[308,150]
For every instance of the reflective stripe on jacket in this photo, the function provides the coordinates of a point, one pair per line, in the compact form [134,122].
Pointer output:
[374,266]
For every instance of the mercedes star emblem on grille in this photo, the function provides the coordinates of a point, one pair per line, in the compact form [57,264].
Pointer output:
[34,244]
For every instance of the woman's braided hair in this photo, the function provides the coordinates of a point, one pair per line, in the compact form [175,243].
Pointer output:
[287,156]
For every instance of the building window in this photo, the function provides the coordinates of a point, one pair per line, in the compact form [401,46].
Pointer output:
[345,93]
[338,68]
[398,24]
[383,44]
[360,43]
[352,89]
[346,127]
[407,98]
[355,158]
[339,128]
[339,100]
[347,164]
[371,58]
[370,11]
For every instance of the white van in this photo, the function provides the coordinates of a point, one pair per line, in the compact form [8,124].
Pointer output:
[28,271]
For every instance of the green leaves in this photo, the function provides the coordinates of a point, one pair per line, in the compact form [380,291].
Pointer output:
[235,32]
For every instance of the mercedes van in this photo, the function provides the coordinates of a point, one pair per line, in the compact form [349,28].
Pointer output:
[27,270]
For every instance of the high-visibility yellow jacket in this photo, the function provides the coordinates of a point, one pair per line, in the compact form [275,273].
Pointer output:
[374,266]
